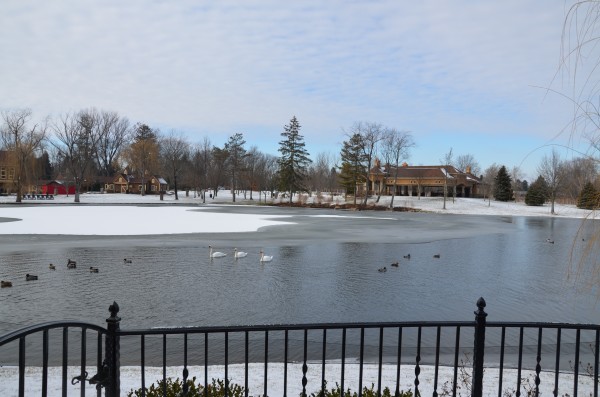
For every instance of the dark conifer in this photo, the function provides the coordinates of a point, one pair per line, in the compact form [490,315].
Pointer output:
[537,193]
[503,186]
[588,198]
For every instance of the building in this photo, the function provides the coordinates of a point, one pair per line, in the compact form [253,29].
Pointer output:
[7,172]
[55,187]
[126,183]
[422,180]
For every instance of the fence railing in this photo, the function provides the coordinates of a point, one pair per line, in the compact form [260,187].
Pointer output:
[438,358]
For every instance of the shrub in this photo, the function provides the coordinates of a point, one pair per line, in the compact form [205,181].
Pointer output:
[367,392]
[175,389]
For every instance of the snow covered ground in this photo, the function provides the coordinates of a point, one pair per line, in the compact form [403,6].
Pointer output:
[186,215]
[131,379]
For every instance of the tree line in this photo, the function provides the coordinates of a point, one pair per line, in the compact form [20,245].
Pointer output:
[83,146]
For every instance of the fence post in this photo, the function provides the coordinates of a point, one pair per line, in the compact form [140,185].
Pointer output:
[478,350]
[112,352]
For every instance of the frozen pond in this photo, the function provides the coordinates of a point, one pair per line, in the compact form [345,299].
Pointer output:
[324,270]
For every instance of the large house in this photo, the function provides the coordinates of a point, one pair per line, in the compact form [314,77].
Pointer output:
[7,171]
[125,183]
[422,180]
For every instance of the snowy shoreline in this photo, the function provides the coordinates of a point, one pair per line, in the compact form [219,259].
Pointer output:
[131,379]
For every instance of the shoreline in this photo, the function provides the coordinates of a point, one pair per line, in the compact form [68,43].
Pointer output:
[131,378]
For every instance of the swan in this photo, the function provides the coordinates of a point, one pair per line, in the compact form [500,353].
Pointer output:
[265,258]
[216,254]
[239,254]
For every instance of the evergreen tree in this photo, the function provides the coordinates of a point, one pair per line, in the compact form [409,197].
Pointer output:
[589,197]
[237,153]
[502,186]
[352,171]
[294,160]
[537,194]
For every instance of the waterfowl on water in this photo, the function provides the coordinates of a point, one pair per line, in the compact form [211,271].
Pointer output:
[51,267]
[436,256]
[549,241]
[127,260]
[71,264]
[265,258]
[407,256]
[216,254]
[30,277]
[5,284]
[383,269]
[93,269]
[395,264]
[239,254]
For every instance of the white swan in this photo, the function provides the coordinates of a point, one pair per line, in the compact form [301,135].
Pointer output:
[239,254]
[216,254]
[265,258]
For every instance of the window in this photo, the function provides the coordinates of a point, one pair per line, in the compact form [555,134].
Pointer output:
[2,172]
[11,173]
[153,188]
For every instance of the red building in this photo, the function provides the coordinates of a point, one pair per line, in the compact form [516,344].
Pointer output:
[57,187]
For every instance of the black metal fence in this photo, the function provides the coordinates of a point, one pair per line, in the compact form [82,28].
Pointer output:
[438,358]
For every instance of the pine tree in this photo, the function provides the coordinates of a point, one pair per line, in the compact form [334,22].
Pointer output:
[235,159]
[589,198]
[503,186]
[537,194]
[294,160]
[352,171]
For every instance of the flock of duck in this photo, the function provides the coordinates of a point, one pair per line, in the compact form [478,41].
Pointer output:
[396,264]
[71,264]
[238,254]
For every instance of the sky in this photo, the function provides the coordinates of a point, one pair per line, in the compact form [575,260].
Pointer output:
[463,75]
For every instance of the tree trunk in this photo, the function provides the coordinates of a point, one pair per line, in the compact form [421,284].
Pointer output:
[175,181]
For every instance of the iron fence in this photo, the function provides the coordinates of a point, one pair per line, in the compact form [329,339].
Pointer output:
[479,357]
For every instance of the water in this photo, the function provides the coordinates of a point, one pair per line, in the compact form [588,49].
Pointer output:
[324,270]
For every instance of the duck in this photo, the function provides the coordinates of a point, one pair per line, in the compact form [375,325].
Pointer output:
[51,267]
[30,277]
[127,260]
[5,284]
[93,269]
[395,264]
[239,254]
[436,256]
[407,256]
[71,264]
[549,241]
[265,258]
[216,254]
[383,269]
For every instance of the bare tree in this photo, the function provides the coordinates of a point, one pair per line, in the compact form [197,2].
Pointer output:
[516,176]
[467,163]
[371,134]
[175,150]
[76,138]
[446,160]
[551,169]
[23,141]
[580,171]
[489,179]
[396,146]
[114,136]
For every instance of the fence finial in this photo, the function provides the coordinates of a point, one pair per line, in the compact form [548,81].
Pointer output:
[480,306]
[113,309]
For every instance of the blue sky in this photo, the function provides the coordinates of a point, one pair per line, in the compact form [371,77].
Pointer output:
[458,74]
